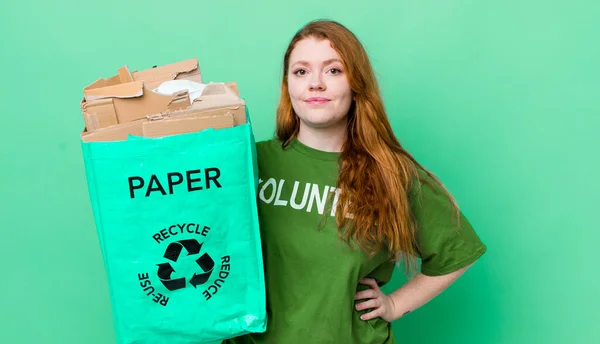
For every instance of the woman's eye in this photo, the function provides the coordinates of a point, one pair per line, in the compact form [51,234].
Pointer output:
[334,71]
[300,72]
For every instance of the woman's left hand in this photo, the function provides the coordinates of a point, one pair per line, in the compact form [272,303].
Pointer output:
[382,304]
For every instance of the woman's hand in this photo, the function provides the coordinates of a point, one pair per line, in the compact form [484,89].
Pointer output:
[382,304]
[413,294]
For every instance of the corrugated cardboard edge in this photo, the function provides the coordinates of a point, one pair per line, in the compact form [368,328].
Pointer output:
[124,75]
[127,90]
[177,126]
[117,86]
[238,110]
[118,132]
[171,71]
[234,87]
[151,103]
[99,113]
[112,81]
[222,97]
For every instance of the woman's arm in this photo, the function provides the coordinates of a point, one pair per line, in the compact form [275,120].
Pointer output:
[413,294]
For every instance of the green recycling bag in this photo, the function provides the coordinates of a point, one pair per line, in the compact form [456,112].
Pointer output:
[177,223]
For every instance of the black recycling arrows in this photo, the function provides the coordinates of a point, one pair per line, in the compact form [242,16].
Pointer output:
[165,270]
[174,248]
[164,273]
[173,251]
[206,263]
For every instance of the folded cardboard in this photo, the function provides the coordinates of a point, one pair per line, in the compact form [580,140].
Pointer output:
[127,97]
[153,77]
[216,98]
[115,133]
[106,112]
[184,70]
[100,114]
[238,113]
[175,126]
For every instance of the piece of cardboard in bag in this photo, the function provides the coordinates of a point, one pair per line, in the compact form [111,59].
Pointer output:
[215,99]
[99,114]
[114,133]
[123,77]
[126,90]
[233,87]
[102,113]
[153,77]
[176,126]
[150,103]
[238,112]
[131,96]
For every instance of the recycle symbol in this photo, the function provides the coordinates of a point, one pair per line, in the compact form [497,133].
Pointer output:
[172,253]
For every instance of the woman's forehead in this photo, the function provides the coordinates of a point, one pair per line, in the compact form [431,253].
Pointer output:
[313,51]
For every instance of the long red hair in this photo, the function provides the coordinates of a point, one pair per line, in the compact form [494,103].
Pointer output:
[376,172]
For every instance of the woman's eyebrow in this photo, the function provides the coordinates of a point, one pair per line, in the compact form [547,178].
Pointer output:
[330,61]
[305,63]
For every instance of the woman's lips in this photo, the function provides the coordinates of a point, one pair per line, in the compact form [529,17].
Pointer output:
[317,100]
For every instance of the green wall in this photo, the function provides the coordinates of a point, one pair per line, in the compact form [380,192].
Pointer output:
[499,98]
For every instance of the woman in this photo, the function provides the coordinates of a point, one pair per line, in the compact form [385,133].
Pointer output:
[340,202]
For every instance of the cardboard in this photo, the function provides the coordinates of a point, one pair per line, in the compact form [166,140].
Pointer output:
[123,104]
[103,113]
[233,87]
[99,114]
[126,90]
[216,98]
[176,126]
[237,111]
[150,103]
[122,109]
[118,132]
[188,70]
[124,75]
[131,94]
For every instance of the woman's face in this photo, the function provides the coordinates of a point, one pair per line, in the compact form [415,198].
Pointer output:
[317,83]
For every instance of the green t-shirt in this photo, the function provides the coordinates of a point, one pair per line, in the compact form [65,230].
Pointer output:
[311,274]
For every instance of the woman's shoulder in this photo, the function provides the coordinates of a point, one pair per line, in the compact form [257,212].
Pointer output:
[263,144]
[446,239]
[427,194]
[268,146]
[423,182]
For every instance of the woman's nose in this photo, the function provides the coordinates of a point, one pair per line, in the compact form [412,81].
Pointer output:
[316,83]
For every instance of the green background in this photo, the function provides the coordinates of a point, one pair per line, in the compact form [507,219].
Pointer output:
[499,98]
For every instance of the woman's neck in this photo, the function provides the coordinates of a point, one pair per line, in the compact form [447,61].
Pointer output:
[329,139]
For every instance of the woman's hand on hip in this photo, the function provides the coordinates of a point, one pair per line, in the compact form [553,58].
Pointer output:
[381,304]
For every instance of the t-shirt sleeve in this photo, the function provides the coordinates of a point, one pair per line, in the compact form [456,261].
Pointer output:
[444,241]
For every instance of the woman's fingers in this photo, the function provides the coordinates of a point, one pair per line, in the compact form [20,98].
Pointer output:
[371,315]
[370,282]
[366,294]
[373,303]
[374,295]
